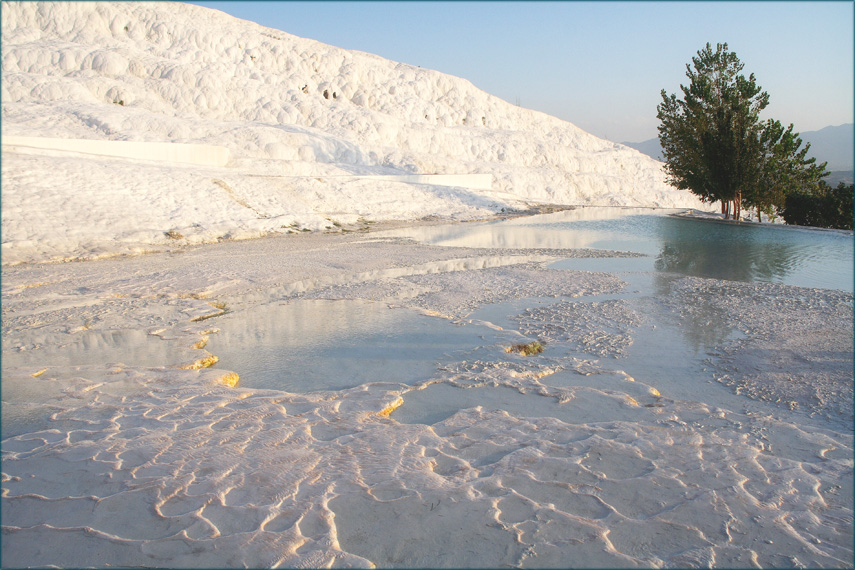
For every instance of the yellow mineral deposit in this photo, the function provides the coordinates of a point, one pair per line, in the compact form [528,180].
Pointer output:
[30,286]
[391,408]
[229,379]
[205,362]
[223,309]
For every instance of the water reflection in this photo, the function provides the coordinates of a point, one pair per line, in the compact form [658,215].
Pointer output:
[569,229]
[701,324]
[694,247]
[705,326]
[748,254]
[130,347]
[311,345]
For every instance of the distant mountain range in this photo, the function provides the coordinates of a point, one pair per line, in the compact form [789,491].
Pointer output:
[830,144]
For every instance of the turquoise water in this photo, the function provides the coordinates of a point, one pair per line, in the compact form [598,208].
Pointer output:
[702,248]
[305,346]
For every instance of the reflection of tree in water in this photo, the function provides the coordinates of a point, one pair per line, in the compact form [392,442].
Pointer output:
[704,325]
[717,251]
[702,322]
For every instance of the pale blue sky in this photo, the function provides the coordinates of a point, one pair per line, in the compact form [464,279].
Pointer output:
[599,65]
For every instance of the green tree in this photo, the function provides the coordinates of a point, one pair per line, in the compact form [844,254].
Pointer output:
[821,207]
[785,169]
[842,206]
[715,145]
[711,138]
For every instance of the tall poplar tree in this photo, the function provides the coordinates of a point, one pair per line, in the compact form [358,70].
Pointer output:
[712,138]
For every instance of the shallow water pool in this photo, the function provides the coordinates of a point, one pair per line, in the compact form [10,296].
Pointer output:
[377,411]
[697,247]
[312,345]
[129,347]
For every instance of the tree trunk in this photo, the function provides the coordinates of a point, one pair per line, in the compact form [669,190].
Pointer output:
[758,215]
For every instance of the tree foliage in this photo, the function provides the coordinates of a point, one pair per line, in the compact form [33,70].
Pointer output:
[785,169]
[716,146]
[826,207]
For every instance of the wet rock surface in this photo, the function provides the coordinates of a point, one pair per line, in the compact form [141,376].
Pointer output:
[567,457]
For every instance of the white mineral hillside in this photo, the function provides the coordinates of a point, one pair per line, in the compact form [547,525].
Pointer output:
[292,134]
